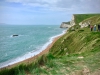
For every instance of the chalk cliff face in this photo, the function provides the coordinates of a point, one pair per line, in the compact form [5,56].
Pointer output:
[84,24]
[68,24]
[65,25]
[72,22]
[90,21]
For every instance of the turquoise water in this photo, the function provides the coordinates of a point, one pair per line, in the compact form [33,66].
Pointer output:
[31,40]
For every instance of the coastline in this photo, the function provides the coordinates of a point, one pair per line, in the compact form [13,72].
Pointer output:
[30,60]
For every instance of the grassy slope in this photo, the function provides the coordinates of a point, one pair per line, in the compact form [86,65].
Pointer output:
[72,53]
[80,17]
[78,43]
[93,20]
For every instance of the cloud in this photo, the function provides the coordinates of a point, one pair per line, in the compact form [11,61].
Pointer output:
[35,2]
[61,5]
[80,5]
[20,11]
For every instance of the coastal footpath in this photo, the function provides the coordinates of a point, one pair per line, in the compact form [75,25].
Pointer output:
[75,53]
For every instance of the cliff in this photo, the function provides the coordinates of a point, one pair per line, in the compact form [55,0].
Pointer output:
[65,25]
[83,20]
[68,24]
[95,20]
[72,22]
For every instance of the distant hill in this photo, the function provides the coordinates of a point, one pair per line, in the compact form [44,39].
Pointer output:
[3,24]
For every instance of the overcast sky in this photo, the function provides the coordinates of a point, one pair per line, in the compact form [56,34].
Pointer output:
[48,12]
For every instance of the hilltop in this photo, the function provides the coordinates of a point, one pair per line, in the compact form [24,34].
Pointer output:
[75,53]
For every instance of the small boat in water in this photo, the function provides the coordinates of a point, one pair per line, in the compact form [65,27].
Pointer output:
[15,35]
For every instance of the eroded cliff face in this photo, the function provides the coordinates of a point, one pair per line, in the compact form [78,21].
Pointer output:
[84,24]
[65,25]
[68,24]
[72,22]
[90,21]
[83,20]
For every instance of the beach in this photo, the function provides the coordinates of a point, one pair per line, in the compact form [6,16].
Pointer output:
[32,59]
[27,45]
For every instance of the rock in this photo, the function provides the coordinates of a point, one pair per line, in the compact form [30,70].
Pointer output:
[62,41]
[86,71]
[15,35]
[84,24]
[81,57]
[66,53]
[72,29]
[72,22]
[68,24]
[65,49]
[65,25]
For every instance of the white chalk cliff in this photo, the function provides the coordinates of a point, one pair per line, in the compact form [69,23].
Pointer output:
[68,24]
[65,25]
[72,22]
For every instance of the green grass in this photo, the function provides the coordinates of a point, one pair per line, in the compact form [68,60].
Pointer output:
[76,41]
[95,20]
[63,57]
[81,42]
[80,17]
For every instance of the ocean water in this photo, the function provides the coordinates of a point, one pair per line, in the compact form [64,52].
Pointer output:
[31,40]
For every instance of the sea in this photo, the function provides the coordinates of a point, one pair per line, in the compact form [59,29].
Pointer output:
[31,40]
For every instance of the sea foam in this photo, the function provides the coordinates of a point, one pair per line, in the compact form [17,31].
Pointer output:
[31,53]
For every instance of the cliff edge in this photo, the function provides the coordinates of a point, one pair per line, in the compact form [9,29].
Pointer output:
[68,24]
[65,25]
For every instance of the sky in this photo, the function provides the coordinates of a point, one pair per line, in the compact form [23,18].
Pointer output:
[44,12]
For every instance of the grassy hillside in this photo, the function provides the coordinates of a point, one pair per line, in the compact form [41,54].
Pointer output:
[80,17]
[75,53]
[93,20]
[78,49]
[76,41]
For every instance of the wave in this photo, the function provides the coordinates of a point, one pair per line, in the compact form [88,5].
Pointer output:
[30,54]
[11,36]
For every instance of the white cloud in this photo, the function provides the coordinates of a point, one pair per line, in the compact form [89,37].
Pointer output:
[34,2]
[59,5]
[23,10]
